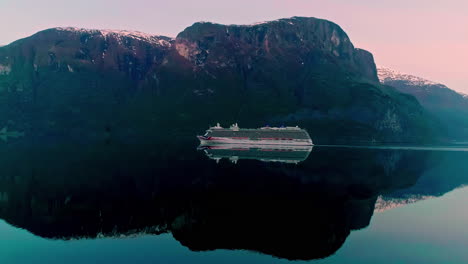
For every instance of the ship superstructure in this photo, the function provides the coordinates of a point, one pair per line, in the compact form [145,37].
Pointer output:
[259,136]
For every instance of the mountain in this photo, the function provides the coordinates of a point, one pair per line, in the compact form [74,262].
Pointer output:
[449,106]
[80,84]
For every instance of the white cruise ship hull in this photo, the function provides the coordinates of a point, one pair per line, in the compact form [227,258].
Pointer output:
[219,140]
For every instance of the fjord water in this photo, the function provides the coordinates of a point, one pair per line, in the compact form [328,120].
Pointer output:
[165,202]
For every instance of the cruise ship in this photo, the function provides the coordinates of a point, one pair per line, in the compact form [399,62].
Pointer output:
[293,136]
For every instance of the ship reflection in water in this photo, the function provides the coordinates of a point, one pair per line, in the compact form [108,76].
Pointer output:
[265,153]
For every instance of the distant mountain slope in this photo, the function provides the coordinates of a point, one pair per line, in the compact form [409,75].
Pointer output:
[448,105]
[295,71]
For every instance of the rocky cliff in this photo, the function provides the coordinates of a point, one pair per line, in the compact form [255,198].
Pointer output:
[298,71]
[300,42]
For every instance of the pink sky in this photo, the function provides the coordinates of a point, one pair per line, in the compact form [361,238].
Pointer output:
[427,38]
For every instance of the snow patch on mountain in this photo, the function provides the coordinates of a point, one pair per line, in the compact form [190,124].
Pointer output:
[289,21]
[119,34]
[386,75]
[267,22]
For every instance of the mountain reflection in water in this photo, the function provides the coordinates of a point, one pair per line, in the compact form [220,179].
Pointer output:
[299,210]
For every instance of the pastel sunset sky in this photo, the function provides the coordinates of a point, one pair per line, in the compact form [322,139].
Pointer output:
[427,38]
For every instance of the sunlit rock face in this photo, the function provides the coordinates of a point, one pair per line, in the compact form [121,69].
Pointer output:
[293,39]
[60,49]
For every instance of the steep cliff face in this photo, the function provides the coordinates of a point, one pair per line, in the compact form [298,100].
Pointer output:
[449,106]
[298,71]
[301,42]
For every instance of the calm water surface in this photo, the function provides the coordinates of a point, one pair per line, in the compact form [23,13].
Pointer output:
[157,202]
